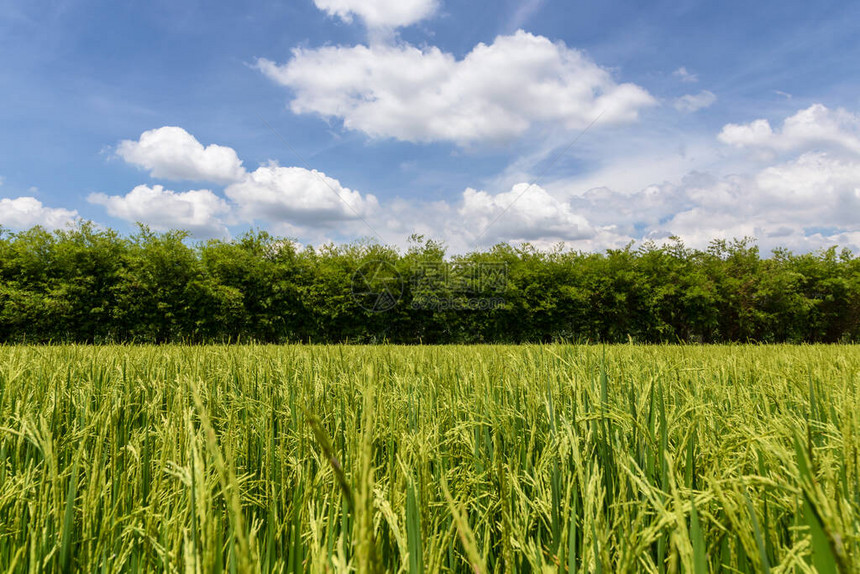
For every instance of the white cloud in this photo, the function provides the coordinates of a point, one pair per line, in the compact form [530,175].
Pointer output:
[297,196]
[788,204]
[289,198]
[380,13]
[807,203]
[685,76]
[173,153]
[526,213]
[695,102]
[497,92]
[812,127]
[753,134]
[199,211]
[26,212]
[803,203]
[817,189]
[477,219]
[806,200]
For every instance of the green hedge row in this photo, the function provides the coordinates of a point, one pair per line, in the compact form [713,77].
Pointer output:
[97,286]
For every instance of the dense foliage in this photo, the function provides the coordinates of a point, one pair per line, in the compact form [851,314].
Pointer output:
[478,459]
[92,285]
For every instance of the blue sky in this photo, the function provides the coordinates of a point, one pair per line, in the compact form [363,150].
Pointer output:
[588,123]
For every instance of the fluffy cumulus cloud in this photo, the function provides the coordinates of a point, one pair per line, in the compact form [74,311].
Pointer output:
[200,212]
[173,153]
[26,212]
[816,189]
[296,195]
[380,13]
[759,213]
[525,213]
[496,92]
[813,127]
[288,198]
[695,102]
[478,219]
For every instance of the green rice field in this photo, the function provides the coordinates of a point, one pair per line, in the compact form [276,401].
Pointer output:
[553,458]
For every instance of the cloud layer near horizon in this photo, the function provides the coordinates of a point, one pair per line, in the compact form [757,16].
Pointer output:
[26,212]
[200,212]
[805,197]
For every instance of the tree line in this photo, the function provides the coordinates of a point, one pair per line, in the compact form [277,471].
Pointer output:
[94,285]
